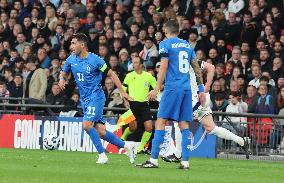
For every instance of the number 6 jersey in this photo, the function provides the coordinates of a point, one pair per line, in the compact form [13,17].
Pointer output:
[179,54]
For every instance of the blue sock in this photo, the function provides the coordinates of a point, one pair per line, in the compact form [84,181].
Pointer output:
[185,142]
[94,135]
[113,139]
[156,142]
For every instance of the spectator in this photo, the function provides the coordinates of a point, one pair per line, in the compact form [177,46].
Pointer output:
[266,103]
[265,61]
[4,93]
[251,98]
[245,65]
[117,101]
[51,19]
[271,89]
[234,86]
[233,29]
[236,73]
[108,89]
[277,68]
[236,55]
[36,82]
[193,37]
[236,6]
[17,88]
[21,39]
[79,9]
[43,58]
[9,78]
[256,73]
[219,71]
[124,59]
[280,98]
[220,105]
[116,67]
[235,106]
[55,69]
[56,97]
[42,27]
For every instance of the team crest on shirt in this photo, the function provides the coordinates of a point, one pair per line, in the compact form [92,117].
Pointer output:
[88,69]
[146,84]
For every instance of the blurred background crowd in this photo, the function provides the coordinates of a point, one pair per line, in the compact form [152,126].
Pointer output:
[242,39]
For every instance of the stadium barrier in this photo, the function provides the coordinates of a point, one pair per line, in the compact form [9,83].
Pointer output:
[28,131]
[265,132]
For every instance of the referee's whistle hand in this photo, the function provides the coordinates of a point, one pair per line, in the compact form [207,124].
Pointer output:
[152,95]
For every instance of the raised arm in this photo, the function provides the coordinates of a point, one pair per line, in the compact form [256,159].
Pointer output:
[210,75]
[198,73]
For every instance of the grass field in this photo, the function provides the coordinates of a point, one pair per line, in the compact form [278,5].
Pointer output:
[38,166]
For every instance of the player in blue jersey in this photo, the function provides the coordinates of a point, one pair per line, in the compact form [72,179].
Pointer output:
[176,103]
[87,69]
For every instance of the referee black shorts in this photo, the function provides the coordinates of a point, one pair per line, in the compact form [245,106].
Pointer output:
[141,111]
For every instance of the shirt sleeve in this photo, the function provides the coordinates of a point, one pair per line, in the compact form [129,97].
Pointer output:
[163,50]
[153,81]
[67,65]
[125,82]
[98,63]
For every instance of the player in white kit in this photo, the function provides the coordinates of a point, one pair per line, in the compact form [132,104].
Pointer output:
[204,115]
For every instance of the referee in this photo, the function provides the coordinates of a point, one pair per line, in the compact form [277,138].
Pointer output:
[138,84]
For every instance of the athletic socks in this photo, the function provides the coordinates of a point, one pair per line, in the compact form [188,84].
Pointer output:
[156,142]
[145,138]
[226,134]
[126,133]
[185,142]
[113,139]
[178,141]
[94,135]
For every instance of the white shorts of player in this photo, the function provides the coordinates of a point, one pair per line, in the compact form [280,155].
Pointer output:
[201,111]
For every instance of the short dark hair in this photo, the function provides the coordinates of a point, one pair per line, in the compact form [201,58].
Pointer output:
[264,78]
[141,61]
[172,26]
[2,83]
[81,38]
[235,94]
[219,96]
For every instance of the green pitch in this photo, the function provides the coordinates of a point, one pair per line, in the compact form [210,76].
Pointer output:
[38,166]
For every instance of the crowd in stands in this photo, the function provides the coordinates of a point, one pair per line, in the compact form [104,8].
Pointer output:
[243,39]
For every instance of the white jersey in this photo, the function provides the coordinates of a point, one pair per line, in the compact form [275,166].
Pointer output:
[194,87]
[193,83]
[201,111]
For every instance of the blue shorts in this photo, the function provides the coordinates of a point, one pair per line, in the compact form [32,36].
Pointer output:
[176,105]
[93,109]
